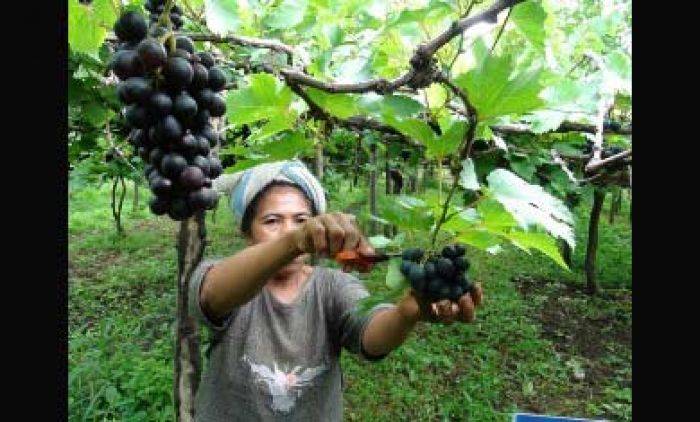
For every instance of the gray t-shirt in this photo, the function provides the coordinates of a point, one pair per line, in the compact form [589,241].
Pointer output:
[271,361]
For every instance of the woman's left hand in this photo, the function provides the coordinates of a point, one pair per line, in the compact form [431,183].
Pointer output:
[414,308]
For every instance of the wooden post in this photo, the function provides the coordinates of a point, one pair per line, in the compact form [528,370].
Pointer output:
[190,250]
[373,188]
[592,248]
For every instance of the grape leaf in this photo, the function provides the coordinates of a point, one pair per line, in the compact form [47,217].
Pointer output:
[276,124]
[436,95]
[340,105]
[539,241]
[467,178]
[264,97]
[495,90]
[479,238]
[222,16]
[413,128]
[379,241]
[530,205]
[287,15]
[495,217]
[85,32]
[529,19]
[289,146]
[394,278]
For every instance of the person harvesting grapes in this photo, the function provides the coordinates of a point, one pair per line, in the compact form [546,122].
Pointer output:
[278,323]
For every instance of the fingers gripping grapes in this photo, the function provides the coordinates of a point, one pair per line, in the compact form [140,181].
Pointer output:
[441,286]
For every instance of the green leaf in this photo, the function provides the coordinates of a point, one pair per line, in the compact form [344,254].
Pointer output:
[340,105]
[530,205]
[467,178]
[85,31]
[287,15]
[400,106]
[97,114]
[542,121]
[404,213]
[222,16]
[379,242]
[539,241]
[495,91]
[292,145]
[495,217]
[276,124]
[437,95]
[522,166]
[413,128]
[479,238]
[449,141]
[394,279]
[264,97]
[529,18]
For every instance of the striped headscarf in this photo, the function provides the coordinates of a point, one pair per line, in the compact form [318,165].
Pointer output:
[243,186]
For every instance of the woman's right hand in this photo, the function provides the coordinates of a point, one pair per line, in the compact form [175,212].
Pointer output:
[327,234]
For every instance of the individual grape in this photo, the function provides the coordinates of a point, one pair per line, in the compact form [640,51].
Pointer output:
[206,59]
[184,107]
[184,43]
[179,209]
[131,27]
[192,177]
[161,186]
[200,76]
[413,254]
[172,165]
[160,104]
[217,79]
[445,269]
[152,53]
[126,64]
[178,72]
[159,205]
[170,130]
[217,106]
[137,116]
[215,167]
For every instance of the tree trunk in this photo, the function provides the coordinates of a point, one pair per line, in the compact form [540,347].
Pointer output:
[565,251]
[412,182]
[388,229]
[615,203]
[358,148]
[592,248]
[136,196]
[190,250]
[373,189]
[319,161]
[117,206]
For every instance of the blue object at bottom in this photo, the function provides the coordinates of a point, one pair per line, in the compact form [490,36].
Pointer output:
[526,417]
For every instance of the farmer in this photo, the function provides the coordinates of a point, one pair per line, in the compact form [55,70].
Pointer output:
[278,323]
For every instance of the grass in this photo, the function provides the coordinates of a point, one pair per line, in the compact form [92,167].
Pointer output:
[526,350]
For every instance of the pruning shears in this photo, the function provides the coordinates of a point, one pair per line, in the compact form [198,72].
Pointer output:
[364,263]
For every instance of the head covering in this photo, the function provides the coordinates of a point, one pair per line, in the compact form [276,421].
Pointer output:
[243,186]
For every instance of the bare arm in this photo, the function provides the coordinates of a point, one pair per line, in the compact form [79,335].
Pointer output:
[388,329]
[235,280]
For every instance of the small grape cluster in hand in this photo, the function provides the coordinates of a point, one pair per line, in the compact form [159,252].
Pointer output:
[170,97]
[439,277]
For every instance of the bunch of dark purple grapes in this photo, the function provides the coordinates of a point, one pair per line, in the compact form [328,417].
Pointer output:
[438,277]
[170,97]
[156,7]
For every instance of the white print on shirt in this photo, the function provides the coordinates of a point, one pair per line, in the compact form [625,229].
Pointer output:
[284,388]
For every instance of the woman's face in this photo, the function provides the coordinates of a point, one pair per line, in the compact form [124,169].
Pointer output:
[281,210]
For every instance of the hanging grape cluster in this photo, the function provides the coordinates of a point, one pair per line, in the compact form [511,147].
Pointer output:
[170,94]
[441,276]
[156,7]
